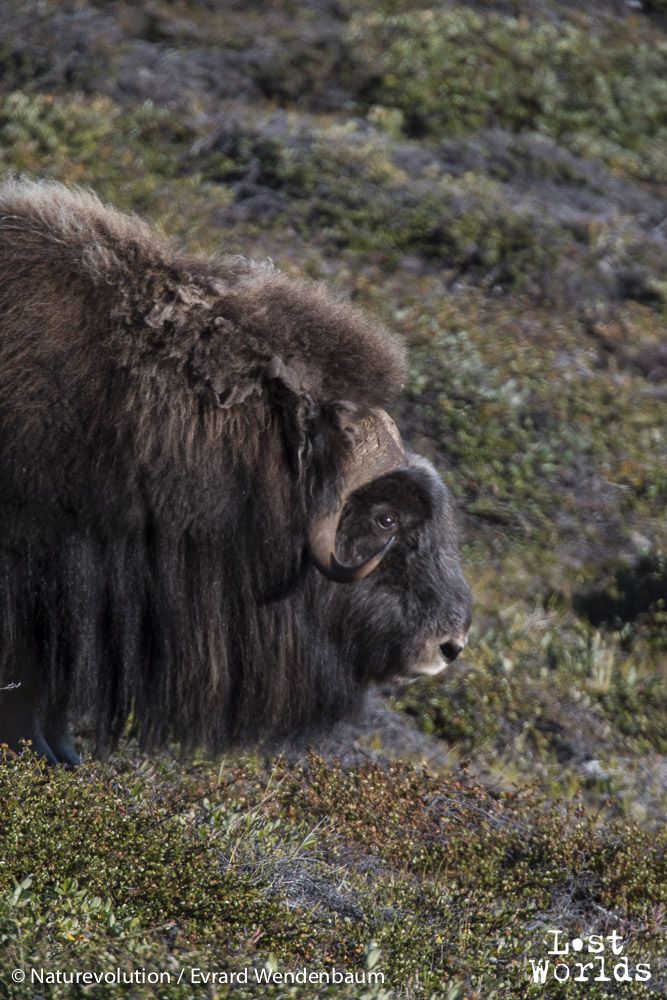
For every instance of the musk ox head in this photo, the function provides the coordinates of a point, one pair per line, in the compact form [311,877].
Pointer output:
[393,535]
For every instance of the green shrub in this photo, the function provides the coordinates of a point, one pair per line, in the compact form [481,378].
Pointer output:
[344,189]
[452,71]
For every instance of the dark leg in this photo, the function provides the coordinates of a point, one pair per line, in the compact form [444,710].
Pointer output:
[56,730]
[62,748]
[19,718]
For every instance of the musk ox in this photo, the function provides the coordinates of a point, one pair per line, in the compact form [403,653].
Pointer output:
[210,527]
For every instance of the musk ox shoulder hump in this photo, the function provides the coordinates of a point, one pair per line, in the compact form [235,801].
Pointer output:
[71,266]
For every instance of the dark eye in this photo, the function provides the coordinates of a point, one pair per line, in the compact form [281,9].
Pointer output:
[386,521]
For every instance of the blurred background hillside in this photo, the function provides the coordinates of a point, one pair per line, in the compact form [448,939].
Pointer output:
[491,180]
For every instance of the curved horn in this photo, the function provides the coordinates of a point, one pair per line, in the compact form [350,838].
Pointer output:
[377,450]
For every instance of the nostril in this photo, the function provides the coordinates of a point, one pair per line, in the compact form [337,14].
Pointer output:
[451,649]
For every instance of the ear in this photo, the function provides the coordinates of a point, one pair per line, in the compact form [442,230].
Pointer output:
[319,435]
[294,388]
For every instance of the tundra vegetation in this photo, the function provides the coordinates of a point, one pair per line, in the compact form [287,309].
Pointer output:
[489,180]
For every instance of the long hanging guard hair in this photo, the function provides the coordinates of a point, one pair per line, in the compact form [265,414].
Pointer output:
[166,424]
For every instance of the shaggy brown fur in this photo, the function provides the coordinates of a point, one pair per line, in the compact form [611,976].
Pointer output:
[169,426]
